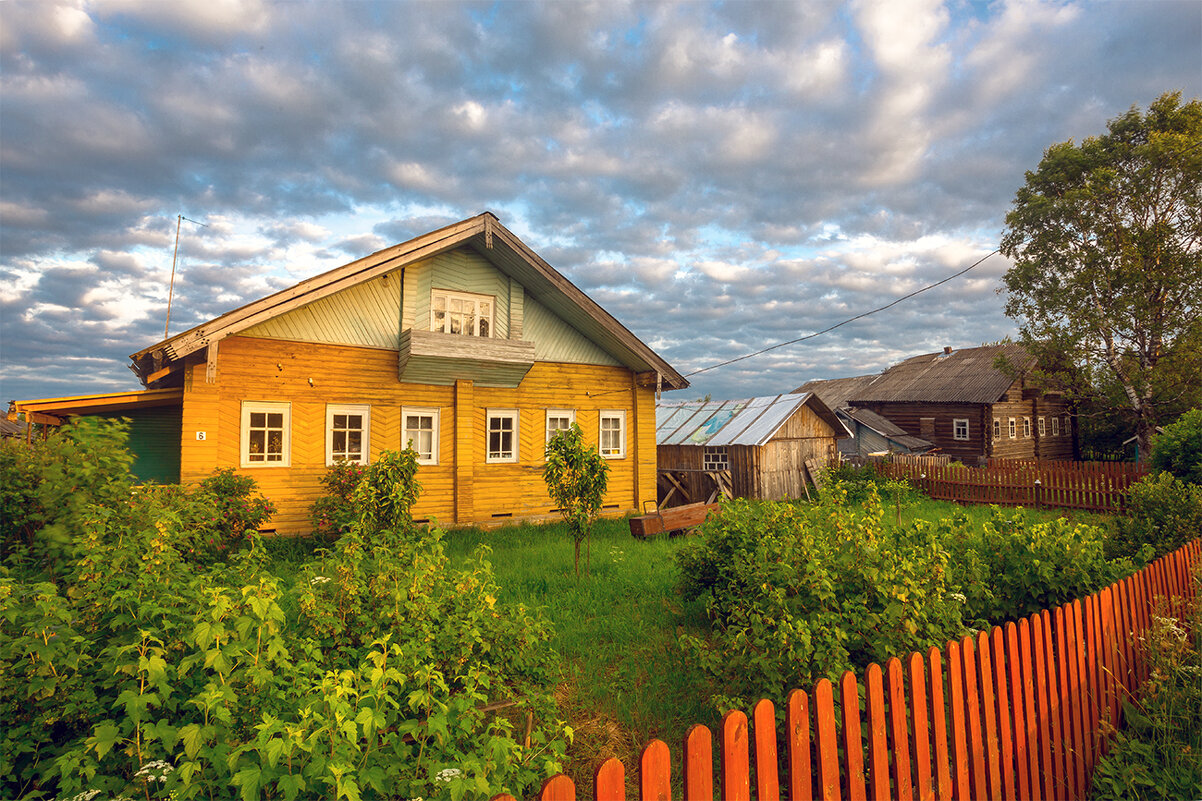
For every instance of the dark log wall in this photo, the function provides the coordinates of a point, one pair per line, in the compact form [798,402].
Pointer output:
[909,417]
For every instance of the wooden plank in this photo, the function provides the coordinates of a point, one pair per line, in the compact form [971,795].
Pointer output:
[938,708]
[972,714]
[609,782]
[736,764]
[920,730]
[1043,709]
[699,763]
[853,749]
[1065,693]
[1018,720]
[899,735]
[797,721]
[655,772]
[767,778]
[990,694]
[1076,703]
[558,788]
[959,723]
[827,740]
[878,750]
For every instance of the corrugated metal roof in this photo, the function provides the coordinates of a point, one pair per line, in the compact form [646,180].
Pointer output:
[836,392]
[753,421]
[962,376]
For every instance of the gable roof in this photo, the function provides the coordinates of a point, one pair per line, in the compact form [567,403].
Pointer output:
[836,392]
[483,233]
[753,421]
[886,428]
[961,376]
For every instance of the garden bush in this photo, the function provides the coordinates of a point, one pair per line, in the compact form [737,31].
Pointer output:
[1178,449]
[1163,513]
[800,592]
[333,513]
[378,673]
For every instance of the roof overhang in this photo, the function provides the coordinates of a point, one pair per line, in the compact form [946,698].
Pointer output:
[485,234]
[98,404]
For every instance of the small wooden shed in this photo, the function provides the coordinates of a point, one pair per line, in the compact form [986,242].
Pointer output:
[763,442]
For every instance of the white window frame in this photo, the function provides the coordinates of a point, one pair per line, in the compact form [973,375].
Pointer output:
[1026,428]
[435,432]
[1042,427]
[715,458]
[557,414]
[447,295]
[1055,426]
[362,409]
[956,429]
[1012,428]
[620,416]
[266,407]
[997,428]
[502,457]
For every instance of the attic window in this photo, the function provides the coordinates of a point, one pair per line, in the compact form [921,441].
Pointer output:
[715,459]
[461,313]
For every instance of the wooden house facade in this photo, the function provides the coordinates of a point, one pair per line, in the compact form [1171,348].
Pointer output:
[967,408]
[462,342]
[764,442]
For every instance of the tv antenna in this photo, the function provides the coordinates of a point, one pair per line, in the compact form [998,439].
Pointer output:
[171,289]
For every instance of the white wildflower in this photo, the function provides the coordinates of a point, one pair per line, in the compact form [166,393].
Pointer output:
[86,795]
[447,774]
[154,771]
[958,596]
[319,580]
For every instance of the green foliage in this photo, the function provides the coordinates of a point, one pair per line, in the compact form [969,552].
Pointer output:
[576,478]
[798,592]
[1013,567]
[225,511]
[333,514]
[1107,272]
[1157,752]
[1178,449]
[1164,513]
[372,676]
[389,488]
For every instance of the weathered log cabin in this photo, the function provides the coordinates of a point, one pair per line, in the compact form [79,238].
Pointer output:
[871,434]
[966,407]
[763,442]
[462,342]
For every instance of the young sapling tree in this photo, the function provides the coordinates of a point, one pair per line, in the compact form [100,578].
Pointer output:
[576,478]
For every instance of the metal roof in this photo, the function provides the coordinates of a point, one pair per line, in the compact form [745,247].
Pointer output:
[962,376]
[753,421]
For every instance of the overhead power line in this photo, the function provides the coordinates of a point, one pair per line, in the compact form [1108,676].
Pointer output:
[844,322]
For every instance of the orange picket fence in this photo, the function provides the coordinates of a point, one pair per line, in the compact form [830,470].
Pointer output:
[1087,486]
[1020,711]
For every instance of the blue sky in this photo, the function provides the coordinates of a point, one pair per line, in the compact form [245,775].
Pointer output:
[719,176]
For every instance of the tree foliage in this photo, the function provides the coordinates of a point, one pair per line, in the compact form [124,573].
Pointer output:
[1178,449]
[1104,238]
[576,478]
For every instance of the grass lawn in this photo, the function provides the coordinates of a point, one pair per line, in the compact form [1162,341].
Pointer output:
[625,680]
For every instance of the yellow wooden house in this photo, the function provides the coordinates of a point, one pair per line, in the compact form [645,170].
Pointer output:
[463,342]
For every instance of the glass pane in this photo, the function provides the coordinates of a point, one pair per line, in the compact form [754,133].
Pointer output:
[339,444]
[425,445]
[340,421]
[354,421]
[355,443]
[494,443]
[456,305]
[440,321]
[275,442]
[257,440]
[469,323]
[258,419]
[456,324]
[275,420]
[484,309]
[484,330]
[440,302]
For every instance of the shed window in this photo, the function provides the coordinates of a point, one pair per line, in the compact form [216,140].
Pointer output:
[715,459]
[421,433]
[1043,431]
[613,434]
[997,428]
[348,434]
[1026,428]
[1055,426]
[1013,429]
[503,436]
[960,428]
[461,313]
[266,434]
[559,420]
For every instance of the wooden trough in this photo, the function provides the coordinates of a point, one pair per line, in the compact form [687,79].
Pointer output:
[677,518]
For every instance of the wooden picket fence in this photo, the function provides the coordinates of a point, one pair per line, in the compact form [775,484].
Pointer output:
[1087,486]
[1020,711]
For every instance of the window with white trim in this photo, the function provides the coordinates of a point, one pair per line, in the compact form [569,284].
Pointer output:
[461,313]
[997,428]
[1055,426]
[502,436]
[714,458]
[559,420]
[419,430]
[1013,429]
[1068,427]
[1043,431]
[613,434]
[1026,428]
[960,428]
[348,433]
[266,438]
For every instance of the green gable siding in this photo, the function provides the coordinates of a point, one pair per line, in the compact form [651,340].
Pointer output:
[364,315]
[460,271]
[556,341]
[154,440]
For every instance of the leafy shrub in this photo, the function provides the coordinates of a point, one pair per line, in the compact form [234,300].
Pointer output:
[576,477]
[1156,754]
[376,675]
[798,592]
[1164,513]
[333,513]
[226,510]
[1011,567]
[1178,449]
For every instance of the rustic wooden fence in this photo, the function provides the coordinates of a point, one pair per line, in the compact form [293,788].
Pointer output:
[1020,711]
[1087,486]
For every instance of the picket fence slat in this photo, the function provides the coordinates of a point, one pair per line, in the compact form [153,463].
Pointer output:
[1018,711]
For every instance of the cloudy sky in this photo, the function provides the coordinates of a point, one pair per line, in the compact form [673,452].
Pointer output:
[719,176]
